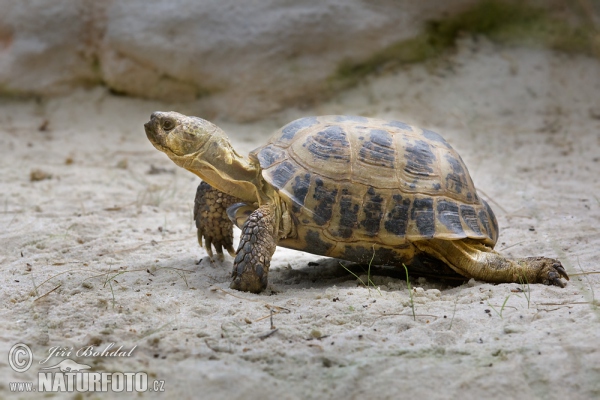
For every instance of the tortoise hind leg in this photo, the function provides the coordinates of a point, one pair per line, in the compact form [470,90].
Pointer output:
[476,260]
[257,245]
[210,214]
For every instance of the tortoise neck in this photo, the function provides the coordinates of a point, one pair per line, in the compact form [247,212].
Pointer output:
[219,165]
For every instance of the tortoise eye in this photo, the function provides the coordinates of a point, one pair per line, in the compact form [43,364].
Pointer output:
[168,124]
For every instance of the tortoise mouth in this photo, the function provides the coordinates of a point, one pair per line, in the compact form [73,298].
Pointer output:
[152,134]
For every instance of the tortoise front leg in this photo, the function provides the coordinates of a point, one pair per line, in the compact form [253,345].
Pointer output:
[210,214]
[476,260]
[257,245]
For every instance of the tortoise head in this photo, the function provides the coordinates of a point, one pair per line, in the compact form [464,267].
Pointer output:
[204,149]
[179,135]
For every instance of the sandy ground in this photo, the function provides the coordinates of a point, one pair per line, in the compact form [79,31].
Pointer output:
[104,251]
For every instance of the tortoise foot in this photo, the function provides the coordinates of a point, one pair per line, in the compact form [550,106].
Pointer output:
[546,270]
[253,258]
[214,227]
[249,279]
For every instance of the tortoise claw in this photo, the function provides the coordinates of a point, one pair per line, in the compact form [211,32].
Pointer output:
[555,275]
[230,250]
[208,247]
[200,236]
[547,270]
[554,279]
[558,266]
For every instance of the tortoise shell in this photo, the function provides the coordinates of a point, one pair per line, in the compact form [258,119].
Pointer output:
[370,181]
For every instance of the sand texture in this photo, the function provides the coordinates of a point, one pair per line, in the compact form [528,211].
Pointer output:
[100,248]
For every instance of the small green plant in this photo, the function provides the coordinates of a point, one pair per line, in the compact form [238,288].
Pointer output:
[35,287]
[501,308]
[525,289]
[369,281]
[63,235]
[109,278]
[453,314]
[108,281]
[585,275]
[412,303]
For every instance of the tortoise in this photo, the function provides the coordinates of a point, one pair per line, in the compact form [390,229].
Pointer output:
[349,187]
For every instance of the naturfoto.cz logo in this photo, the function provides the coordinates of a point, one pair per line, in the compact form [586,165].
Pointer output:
[72,376]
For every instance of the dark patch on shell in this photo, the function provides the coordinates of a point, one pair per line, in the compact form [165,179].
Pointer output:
[290,130]
[397,219]
[493,220]
[316,244]
[436,186]
[351,118]
[382,138]
[326,198]
[470,217]
[270,155]
[379,150]
[372,208]
[456,180]
[283,173]
[329,143]
[399,124]
[448,215]
[419,159]
[485,222]
[422,213]
[348,215]
[300,189]
[431,135]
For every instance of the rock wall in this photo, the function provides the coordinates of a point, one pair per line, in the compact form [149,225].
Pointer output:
[242,58]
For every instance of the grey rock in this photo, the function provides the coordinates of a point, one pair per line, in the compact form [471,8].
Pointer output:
[242,59]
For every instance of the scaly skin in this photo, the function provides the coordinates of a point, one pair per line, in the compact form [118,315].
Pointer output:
[257,245]
[210,214]
[476,260]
